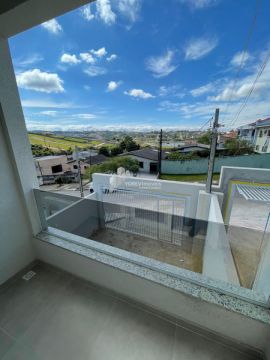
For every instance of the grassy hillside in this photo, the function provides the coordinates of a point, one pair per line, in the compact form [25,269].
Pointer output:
[60,143]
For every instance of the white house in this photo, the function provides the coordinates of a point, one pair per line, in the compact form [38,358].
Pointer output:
[148,159]
[258,134]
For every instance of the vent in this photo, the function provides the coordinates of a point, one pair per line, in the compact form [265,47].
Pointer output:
[28,276]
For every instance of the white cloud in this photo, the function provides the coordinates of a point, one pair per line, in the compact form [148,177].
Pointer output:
[95,71]
[202,90]
[49,113]
[139,93]
[169,106]
[111,57]
[85,116]
[231,93]
[70,59]
[113,85]
[174,90]
[53,26]
[36,125]
[47,103]
[236,90]
[225,90]
[240,58]
[161,66]
[199,4]
[88,58]
[198,48]
[104,11]
[100,52]
[86,13]
[28,60]
[40,81]
[130,9]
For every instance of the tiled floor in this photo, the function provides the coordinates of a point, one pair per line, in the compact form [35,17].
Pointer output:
[56,316]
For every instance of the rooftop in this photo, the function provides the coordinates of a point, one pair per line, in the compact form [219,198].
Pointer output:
[150,154]
[257,123]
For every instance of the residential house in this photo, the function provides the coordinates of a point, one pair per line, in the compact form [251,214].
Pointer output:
[194,148]
[51,167]
[223,137]
[88,161]
[148,159]
[247,132]
[262,128]
[258,134]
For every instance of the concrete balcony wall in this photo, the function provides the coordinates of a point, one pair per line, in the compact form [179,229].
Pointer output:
[188,191]
[80,218]
[217,256]
[16,248]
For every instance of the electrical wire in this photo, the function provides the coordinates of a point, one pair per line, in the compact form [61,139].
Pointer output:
[244,52]
[244,103]
[209,120]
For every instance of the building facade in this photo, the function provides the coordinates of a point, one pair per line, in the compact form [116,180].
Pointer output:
[258,134]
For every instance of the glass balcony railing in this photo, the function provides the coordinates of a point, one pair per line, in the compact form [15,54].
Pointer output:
[153,230]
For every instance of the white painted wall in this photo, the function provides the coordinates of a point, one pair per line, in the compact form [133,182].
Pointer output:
[262,140]
[16,248]
[156,187]
[262,279]
[80,218]
[16,136]
[217,256]
[146,163]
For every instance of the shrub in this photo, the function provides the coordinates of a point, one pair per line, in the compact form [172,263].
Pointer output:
[111,166]
[182,156]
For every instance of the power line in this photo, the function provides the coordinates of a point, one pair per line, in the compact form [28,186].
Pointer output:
[244,52]
[209,120]
[244,103]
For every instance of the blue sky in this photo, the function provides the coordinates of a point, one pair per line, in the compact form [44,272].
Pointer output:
[144,64]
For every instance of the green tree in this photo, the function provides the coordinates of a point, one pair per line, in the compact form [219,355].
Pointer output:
[103,150]
[129,144]
[238,147]
[111,166]
[39,150]
[69,151]
[116,150]
[205,138]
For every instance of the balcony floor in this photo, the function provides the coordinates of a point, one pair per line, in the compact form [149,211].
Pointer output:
[57,316]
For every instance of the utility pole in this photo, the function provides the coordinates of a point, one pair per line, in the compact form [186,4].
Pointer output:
[213,146]
[79,172]
[40,170]
[160,153]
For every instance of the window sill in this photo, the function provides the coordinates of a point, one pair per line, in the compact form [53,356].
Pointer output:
[181,280]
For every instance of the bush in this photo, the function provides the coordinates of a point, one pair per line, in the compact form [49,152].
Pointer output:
[116,150]
[182,156]
[103,150]
[238,147]
[111,166]
[205,138]
[39,150]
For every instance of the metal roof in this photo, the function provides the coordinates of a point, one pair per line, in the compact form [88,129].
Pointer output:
[256,124]
[150,154]
[254,192]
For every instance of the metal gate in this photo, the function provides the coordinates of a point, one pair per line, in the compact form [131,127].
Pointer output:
[154,216]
